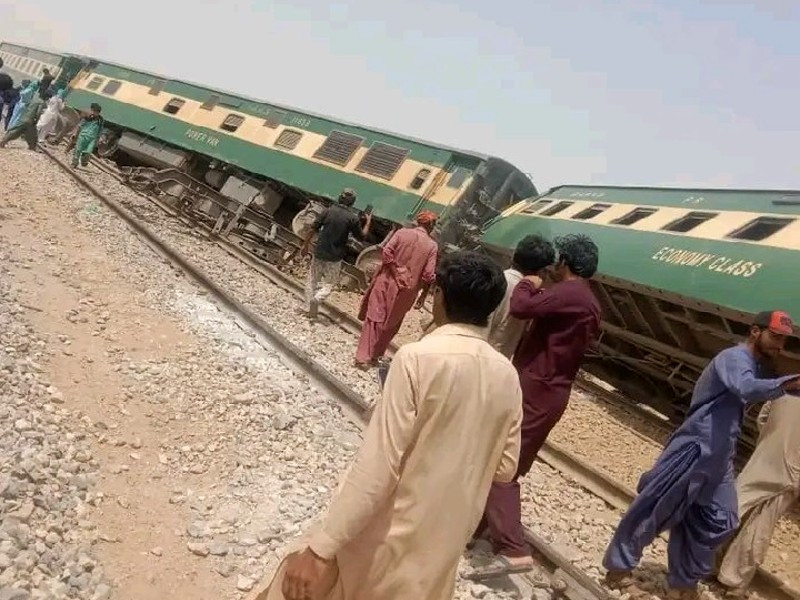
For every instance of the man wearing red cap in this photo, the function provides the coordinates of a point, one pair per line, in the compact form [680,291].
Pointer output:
[691,491]
[407,271]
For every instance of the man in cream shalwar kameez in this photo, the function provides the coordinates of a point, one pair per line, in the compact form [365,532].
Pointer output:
[447,426]
[767,487]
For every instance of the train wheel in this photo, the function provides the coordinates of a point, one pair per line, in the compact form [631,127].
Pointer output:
[301,224]
[369,261]
[108,144]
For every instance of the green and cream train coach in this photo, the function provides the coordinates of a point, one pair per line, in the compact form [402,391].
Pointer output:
[682,273]
[290,156]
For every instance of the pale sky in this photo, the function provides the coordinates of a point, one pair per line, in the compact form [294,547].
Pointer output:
[638,92]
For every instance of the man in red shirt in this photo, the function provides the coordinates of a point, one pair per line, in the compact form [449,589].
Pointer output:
[564,321]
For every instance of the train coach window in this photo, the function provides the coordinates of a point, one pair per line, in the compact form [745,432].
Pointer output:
[419,179]
[591,212]
[636,215]
[760,229]
[174,105]
[95,83]
[232,122]
[458,177]
[275,118]
[157,87]
[210,103]
[536,206]
[557,208]
[382,160]
[339,147]
[288,139]
[111,87]
[689,222]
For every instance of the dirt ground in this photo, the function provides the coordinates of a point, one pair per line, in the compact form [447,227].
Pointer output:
[76,293]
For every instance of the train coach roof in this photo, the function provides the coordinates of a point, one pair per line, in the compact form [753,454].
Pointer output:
[785,201]
[301,111]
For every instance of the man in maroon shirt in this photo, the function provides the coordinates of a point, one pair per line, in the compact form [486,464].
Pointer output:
[564,321]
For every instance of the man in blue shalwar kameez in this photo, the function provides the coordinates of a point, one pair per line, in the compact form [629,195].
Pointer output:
[691,491]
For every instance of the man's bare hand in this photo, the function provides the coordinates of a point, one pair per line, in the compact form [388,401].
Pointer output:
[792,386]
[304,573]
[535,280]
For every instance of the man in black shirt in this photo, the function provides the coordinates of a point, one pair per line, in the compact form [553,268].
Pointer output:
[334,226]
[46,81]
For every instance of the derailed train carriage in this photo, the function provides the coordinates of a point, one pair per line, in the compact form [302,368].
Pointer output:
[262,172]
[682,274]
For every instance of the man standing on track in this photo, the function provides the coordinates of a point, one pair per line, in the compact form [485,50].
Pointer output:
[446,426]
[26,96]
[690,491]
[407,270]
[334,226]
[565,320]
[767,487]
[26,124]
[88,135]
[532,255]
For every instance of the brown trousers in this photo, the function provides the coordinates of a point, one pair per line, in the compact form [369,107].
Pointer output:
[542,408]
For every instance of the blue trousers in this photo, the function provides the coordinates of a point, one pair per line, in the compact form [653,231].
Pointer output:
[698,516]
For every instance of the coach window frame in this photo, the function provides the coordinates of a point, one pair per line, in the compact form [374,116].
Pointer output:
[111,83]
[232,122]
[179,102]
[694,219]
[95,83]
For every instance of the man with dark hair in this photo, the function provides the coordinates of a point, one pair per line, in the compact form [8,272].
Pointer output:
[565,320]
[690,491]
[88,135]
[532,255]
[408,268]
[45,82]
[446,427]
[334,226]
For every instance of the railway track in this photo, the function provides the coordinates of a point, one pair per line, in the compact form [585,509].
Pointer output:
[566,579]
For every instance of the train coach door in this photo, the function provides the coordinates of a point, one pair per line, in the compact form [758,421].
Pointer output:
[70,67]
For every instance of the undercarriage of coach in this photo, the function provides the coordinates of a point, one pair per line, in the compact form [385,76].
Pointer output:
[654,345]
[243,215]
[263,217]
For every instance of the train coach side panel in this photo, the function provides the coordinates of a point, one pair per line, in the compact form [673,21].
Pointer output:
[739,276]
[398,176]
[315,179]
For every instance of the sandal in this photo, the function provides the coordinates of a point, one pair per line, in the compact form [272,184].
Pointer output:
[500,566]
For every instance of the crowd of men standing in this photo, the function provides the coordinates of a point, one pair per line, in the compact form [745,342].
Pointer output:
[33,111]
[466,409]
